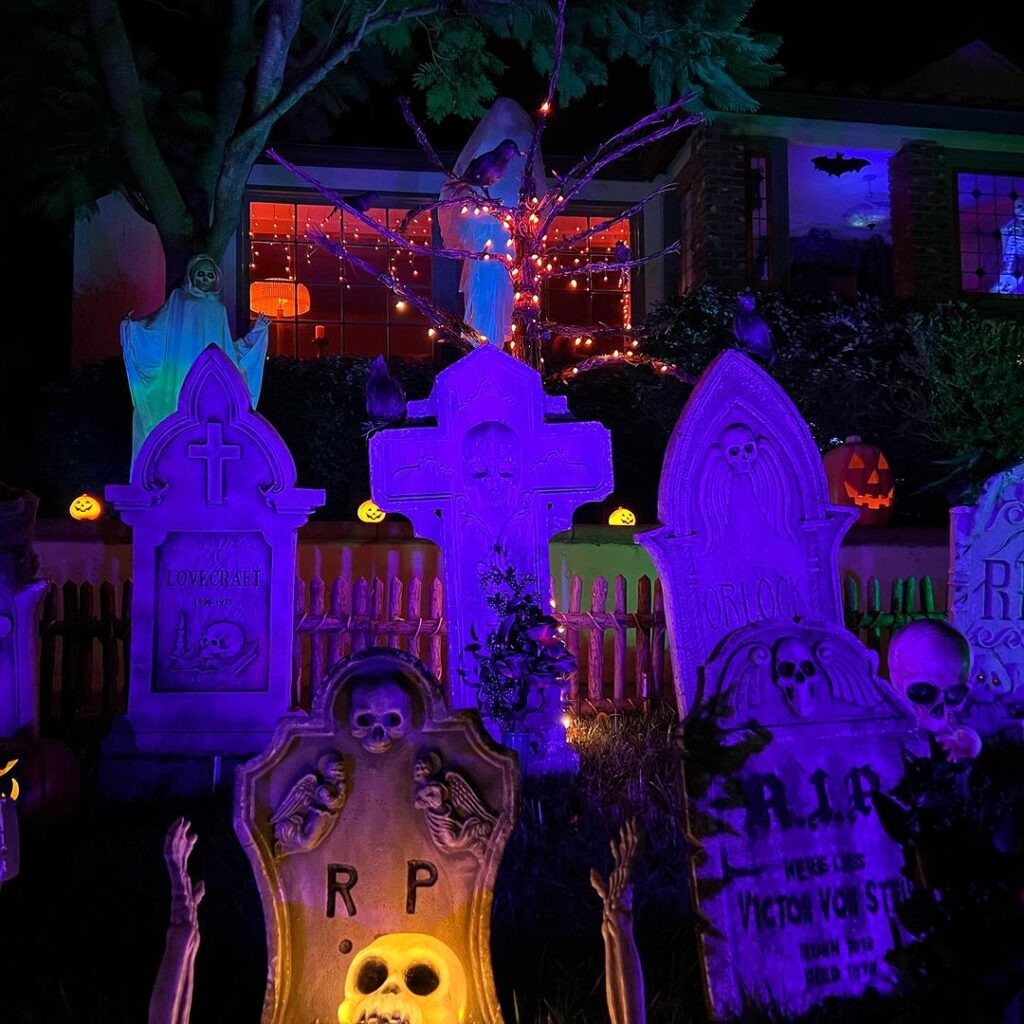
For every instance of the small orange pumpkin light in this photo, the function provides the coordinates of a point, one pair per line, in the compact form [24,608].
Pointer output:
[622,517]
[859,475]
[85,506]
[370,512]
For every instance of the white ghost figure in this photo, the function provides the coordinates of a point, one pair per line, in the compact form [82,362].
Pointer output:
[405,978]
[160,349]
[486,286]
[380,714]
[929,664]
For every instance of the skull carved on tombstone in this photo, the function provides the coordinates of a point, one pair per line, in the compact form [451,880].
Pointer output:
[221,641]
[380,714]
[795,671]
[492,465]
[739,446]
[929,664]
[405,978]
[992,681]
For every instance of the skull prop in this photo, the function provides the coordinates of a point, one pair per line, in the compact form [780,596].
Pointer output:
[221,641]
[739,446]
[380,714]
[795,672]
[204,275]
[405,978]
[929,664]
[492,465]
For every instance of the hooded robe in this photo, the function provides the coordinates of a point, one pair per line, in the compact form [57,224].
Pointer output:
[160,349]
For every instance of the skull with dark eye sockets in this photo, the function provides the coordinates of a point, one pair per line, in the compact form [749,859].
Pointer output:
[795,671]
[380,714]
[929,665]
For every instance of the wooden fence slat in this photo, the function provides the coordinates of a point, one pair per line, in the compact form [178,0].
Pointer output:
[377,611]
[436,613]
[395,588]
[69,680]
[109,653]
[336,610]
[619,643]
[572,635]
[643,647]
[595,658]
[299,688]
[49,628]
[317,611]
[656,689]
[414,612]
[361,609]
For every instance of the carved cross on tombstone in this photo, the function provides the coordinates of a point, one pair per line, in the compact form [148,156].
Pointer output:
[375,826]
[215,514]
[748,531]
[489,462]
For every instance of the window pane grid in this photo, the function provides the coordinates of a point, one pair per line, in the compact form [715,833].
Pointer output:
[759,223]
[991,230]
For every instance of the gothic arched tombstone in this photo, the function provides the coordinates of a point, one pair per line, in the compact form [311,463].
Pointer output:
[747,531]
[375,827]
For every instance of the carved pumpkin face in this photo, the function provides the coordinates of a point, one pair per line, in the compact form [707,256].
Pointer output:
[370,512]
[85,506]
[622,517]
[859,475]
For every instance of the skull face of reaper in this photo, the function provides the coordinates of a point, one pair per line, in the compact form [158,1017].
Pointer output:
[739,446]
[380,714]
[929,664]
[795,672]
[405,978]
[204,276]
[492,465]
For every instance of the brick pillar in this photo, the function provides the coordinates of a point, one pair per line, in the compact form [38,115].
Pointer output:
[715,174]
[923,227]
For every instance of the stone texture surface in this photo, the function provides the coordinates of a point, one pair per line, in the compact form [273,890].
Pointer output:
[214,511]
[800,888]
[375,826]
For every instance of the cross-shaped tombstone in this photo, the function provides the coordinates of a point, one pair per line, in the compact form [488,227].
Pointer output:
[490,463]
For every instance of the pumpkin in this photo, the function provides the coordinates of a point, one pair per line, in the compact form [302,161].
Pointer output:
[49,777]
[859,475]
[85,506]
[622,517]
[370,512]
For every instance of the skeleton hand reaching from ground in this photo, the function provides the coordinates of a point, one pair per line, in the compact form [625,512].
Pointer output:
[624,980]
[171,1001]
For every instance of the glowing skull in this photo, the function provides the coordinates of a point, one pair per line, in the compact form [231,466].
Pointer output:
[492,464]
[929,664]
[204,275]
[795,671]
[739,446]
[221,641]
[380,714]
[405,978]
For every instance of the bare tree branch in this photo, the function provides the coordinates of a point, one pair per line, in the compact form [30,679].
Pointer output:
[283,19]
[421,136]
[614,265]
[567,243]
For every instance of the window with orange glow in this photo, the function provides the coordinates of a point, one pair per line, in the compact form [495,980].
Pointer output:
[349,312]
[320,305]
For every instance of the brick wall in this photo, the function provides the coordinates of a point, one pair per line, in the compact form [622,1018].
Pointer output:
[923,228]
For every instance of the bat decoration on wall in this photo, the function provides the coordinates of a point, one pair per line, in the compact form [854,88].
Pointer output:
[838,165]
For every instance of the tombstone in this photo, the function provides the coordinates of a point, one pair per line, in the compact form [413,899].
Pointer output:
[747,530]
[986,596]
[214,511]
[800,884]
[21,595]
[375,827]
[10,845]
[489,461]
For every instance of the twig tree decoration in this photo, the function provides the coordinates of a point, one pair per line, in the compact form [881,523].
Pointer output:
[529,256]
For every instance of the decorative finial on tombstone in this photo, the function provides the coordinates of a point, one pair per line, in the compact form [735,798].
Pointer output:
[751,331]
[171,1001]
[624,978]
[18,560]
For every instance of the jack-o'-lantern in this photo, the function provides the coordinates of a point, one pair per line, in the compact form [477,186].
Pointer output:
[370,512]
[859,475]
[622,517]
[85,506]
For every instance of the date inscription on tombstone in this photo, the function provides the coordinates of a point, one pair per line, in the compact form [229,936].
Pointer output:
[801,890]
[212,612]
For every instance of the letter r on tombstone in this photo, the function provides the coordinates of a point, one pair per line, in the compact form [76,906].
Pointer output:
[860,796]
[416,880]
[341,886]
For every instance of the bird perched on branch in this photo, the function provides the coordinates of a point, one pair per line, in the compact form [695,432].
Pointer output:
[364,201]
[385,397]
[489,168]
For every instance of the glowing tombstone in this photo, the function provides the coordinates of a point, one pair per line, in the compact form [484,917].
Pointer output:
[798,880]
[490,463]
[375,826]
[215,514]
[986,582]
[747,530]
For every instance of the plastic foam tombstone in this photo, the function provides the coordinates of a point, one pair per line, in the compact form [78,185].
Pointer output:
[375,826]
[747,531]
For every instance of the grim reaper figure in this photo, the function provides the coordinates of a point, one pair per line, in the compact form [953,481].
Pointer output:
[160,349]
[742,466]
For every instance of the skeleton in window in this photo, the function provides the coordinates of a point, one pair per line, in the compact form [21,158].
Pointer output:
[742,461]
[1011,270]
